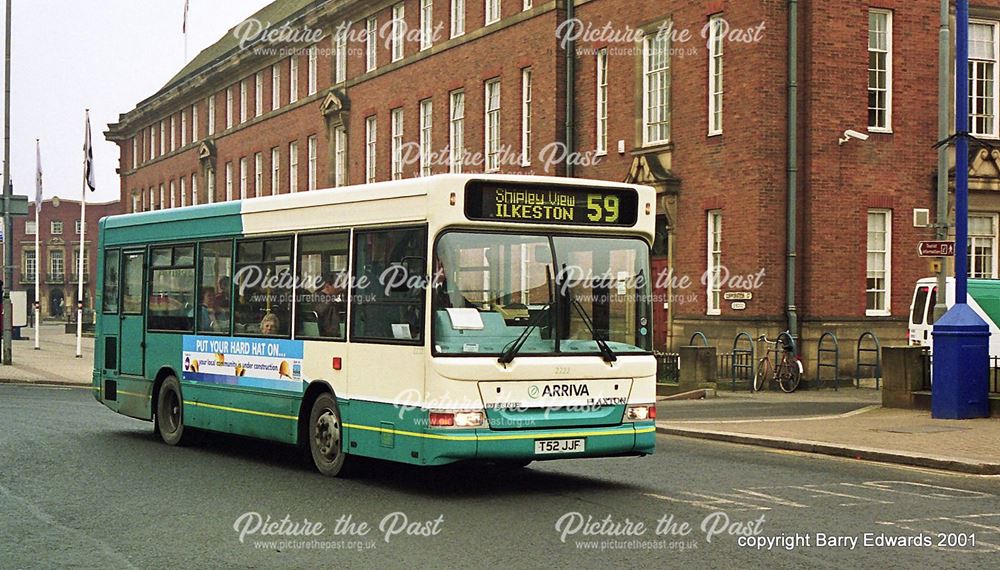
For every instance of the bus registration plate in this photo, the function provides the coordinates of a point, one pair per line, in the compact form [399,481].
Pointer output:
[559,445]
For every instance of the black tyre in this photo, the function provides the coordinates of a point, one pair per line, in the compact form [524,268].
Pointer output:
[170,412]
[763,373]
[789,374]
[326,437]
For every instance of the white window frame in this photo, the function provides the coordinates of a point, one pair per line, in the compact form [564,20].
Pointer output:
[258,175]
[275,87]
[184,128]
[211,114]
[457,18]
[602,102]
[229,181]
[974,239]
[243,101]
[293,167]
[152,142]
[371,44]
[649,43]
[293,78]
[371,148]
[194,189]
[456,131]
[526,95]
[339,156]
[163,137]
[275,171]
[173,133]
[76,227]
[244,175]
[340,56]
[887,265]
[492,12]
[398,31]
[994,129]
[426,135]
[163,197]
[887,14]
[30,227]
[229,107]
[311,156]
[716,88]
[258,94]
[194,122]
[491,122]
[210,185]
[183,188]
[426,24]
[527,5]
[397,143]
[173,194]
[135,148]
[713,287]
[312,75]
[56,227]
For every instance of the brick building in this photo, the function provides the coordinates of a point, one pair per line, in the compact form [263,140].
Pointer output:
[59,240]
[689,97]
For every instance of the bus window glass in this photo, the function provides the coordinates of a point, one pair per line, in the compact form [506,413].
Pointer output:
[216,266]
[919,306]
[110,296]
[322,287]
[132,295]
[390,268]
[262,288]
[171,296]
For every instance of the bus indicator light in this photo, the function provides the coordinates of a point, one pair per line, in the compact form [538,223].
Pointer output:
[441,419]
[338,363]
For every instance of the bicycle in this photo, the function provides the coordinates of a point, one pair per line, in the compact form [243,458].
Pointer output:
[787,373]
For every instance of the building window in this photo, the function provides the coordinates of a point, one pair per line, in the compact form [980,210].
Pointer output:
[56,264]
[30,227]
[714,273]
[983,101]
[275,87]
[76,261]
[879,262]
[370,140]
[275,171]
[426,24]
[983,246]
[194,122]
[492,122]
[311,165]
[244,174]
[56,227]
[340,156]
[528,4]
[456,134]
[340,56]
[211,114]
[194,189]
[135,148]
[371,44]
[398,32]
[879,70]
[457,18]
[526,116]
[184,128]
[152,198]
[258,94]
[312,71]
[293,166]
[715,87]
[210,185]
[426,126]
[173,194]
[293,79]
[173,133]
[397,144]
[602,101]
[152,142]
[30,264]
[136,202]
[229,107]
[656,89]
[258,175]
[492,11]
[163,197]
[163,137]
[243,101]
[76,227]
[183,191]
[229,181]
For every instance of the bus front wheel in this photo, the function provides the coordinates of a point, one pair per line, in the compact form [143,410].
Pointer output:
[170,411]
[326,442]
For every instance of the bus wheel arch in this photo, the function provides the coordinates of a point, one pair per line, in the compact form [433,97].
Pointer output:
[164,373]
[322,429]
[312,392]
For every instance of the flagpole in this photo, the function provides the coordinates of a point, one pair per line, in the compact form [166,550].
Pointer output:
[83,232]
[38,249]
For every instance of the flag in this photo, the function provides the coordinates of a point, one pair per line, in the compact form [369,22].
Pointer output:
[38,176]
[88,156]
[184,26]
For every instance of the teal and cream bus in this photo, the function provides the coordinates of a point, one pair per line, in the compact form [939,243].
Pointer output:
[426,321]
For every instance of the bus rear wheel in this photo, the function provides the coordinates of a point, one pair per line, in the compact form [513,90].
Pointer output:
[326,436]
[170,412]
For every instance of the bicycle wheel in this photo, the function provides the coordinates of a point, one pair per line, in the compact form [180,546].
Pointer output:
[789,374]
[763,373]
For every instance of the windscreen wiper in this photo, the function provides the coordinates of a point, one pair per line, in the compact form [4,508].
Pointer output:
[606,352]
[512,348]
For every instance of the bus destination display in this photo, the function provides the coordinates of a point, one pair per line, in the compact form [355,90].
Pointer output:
[542,204]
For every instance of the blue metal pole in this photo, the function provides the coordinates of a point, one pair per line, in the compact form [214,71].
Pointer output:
[962,152]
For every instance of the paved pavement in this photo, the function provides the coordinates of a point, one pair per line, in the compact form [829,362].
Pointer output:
[83,487]
[54,363]
[848,423]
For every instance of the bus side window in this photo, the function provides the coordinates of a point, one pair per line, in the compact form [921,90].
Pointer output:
[110,295]
[931,302]
[262,306]
[171,298]
[321,296]
[215,262]
[390,269]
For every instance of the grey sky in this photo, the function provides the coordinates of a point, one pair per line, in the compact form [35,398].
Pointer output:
[68,55]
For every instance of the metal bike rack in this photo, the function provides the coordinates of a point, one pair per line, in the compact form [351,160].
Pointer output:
[743,359]
[701,335]
[824,349]
[876,366]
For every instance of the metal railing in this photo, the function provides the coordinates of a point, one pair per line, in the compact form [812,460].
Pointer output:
[928,367]
[668,367]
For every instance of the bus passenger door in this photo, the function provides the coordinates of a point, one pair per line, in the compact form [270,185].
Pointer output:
[131,330]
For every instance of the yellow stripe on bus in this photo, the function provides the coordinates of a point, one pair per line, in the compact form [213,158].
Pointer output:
[135,394]
[496,437]
[240,410]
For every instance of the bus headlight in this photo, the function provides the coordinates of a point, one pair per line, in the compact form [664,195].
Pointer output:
[640,412]
[459,419]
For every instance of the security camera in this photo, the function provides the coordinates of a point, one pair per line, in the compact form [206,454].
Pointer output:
[849,134]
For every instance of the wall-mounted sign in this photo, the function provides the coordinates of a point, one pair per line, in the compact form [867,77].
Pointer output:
[738,295]
[739,306]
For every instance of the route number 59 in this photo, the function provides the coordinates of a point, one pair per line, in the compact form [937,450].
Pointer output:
[602,208]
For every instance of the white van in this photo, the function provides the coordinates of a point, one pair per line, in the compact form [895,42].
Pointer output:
[984,298]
